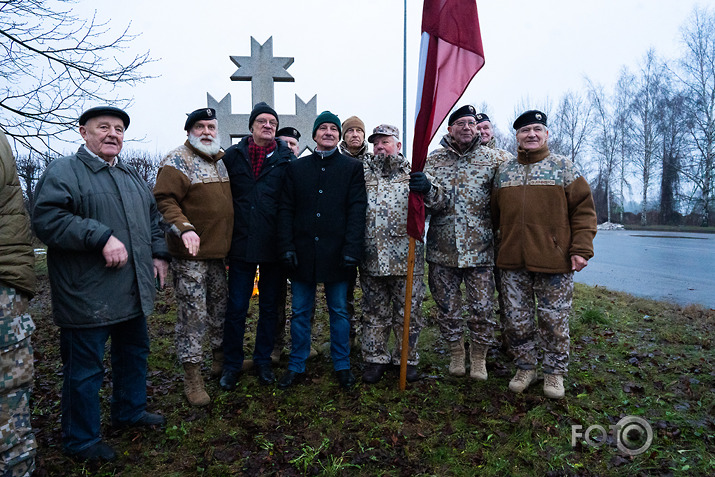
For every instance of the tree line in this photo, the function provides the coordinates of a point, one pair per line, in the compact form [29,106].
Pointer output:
[653,131]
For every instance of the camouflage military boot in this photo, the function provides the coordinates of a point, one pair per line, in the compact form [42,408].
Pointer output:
[522,380]
[194,385]
[217,364]
[456,364]
[478,361]
[554,386]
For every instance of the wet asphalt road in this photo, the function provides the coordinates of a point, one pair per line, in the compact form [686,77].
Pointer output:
[672,266]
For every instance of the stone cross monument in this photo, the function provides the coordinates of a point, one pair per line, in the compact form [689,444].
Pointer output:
[262,69]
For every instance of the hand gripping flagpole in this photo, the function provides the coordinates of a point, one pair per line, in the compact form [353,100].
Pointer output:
[451,54]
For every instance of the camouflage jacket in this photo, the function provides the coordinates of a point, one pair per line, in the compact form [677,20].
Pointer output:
[544,211]
[192,192]
[460,226]
[387,181]
[504,155]
[361,154]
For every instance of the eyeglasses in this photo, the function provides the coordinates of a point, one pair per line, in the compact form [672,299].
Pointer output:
[261,122]
[461,124]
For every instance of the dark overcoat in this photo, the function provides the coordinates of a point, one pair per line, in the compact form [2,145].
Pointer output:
[80,202]
[322,215]
[255,202]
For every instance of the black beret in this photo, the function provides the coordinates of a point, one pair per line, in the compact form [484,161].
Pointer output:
[466,110]
[199,115]
[260,108]
[481,117]
[104,111]
[289,132]
[530,117]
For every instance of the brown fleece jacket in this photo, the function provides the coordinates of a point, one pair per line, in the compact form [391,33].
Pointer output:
[193,193]
[544,212]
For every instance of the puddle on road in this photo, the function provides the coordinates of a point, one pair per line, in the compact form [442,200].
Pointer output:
[670,236]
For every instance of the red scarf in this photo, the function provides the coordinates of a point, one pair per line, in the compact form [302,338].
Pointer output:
[258,155]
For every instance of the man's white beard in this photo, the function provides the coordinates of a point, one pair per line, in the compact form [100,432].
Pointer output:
[210,149]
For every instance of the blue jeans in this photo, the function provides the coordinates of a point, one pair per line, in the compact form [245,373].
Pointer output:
[300,327]
[240,289]
[82,351]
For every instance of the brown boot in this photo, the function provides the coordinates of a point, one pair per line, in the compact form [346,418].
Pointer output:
[456,364]
[217,364]
[194,385]
[478,361]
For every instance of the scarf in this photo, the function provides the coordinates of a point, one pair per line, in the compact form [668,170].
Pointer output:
[258,155]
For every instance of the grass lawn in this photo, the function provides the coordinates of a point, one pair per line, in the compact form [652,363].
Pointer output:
[629,357]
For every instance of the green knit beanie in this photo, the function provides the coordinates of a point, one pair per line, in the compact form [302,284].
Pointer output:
[326,117]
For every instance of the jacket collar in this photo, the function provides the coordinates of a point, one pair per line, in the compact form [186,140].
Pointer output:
[448,142]
[532,157]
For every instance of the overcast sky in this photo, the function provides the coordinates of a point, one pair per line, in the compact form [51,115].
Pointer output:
[349,53]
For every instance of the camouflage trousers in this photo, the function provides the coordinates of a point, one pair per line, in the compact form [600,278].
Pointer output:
[17,442]
[201,292]
[383,311]
[553,292]
[444,284]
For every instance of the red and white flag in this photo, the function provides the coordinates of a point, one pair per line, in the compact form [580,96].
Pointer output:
[451,54]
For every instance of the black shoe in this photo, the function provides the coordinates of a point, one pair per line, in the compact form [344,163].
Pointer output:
[96,452]
[229,379]
[412,373]
[345,378]
[289,379]
[265,374]
[373,372]
[148,419]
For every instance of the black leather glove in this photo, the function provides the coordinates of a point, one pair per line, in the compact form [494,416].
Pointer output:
[290,261]
[419,182]
[350,262]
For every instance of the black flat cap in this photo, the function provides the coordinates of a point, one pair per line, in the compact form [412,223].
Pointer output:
[104,111]
[532,116]
[199,115]
[289,132]
[481,117]
[466,110]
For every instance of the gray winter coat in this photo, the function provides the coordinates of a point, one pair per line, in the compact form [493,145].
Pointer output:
[80,202]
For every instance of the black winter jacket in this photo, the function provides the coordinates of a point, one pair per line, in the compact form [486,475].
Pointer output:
[322,215]
[255,202]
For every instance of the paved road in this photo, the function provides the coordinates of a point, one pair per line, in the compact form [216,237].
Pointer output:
[672,266]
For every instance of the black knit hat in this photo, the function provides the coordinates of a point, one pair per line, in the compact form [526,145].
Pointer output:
[530,117]
[104,111]
[466,110]
[261,108]
[288,132]
[199,115]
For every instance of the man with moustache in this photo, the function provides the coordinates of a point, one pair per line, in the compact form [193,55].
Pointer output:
[459,241]
[544,211]
[383,269]
[321,227]
[291,137]
[256,166]
[100,222]
[193,194]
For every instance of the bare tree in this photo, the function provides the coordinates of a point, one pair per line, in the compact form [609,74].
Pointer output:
[672,127]
[572,124]
[645,105]
[623,96]
[51,62]
[604,143]
[146,164]
[698,80]
[29,171]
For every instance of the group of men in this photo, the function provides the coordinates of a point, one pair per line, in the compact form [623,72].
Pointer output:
[313,220]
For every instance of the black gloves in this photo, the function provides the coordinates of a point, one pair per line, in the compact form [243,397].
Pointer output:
[350,262]
[419,182]
[290,261]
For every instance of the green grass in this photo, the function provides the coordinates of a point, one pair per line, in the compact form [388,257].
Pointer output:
[629,356]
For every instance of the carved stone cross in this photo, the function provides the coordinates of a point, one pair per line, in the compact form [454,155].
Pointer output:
[262,69]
